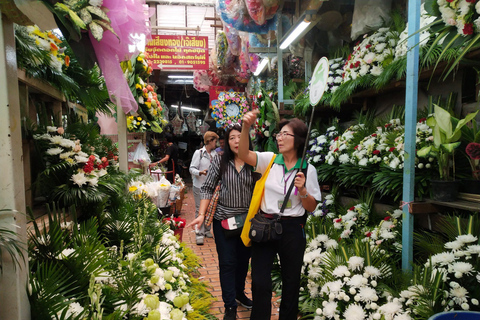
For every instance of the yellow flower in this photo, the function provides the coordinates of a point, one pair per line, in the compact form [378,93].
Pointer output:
[132,189]
[70,161]
[149,104]
[138,86]
[139,119]
[155,112]
[139,58]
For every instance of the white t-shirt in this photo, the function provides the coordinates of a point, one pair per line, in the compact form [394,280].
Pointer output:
[278,182]
[200,161]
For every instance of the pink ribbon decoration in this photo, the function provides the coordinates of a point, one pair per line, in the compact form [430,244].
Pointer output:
[129,18]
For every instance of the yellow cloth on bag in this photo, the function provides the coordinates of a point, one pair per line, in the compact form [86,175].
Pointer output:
[255,204]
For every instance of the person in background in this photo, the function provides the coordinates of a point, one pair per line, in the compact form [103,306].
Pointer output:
[290,247]
[198,169]
[238,181]
[171,157]
[221,142]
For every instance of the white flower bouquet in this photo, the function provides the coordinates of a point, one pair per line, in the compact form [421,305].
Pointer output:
[335,74]
[339,146]
[319,145]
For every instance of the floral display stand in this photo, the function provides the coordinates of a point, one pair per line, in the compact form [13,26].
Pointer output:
[178,233]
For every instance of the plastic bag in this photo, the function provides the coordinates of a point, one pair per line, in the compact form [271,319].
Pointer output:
[163,192]
[140,156]
[369,15]
[174,193]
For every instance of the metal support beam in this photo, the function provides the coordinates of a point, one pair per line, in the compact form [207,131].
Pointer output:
[280,65]
[411,100]
[13,280]
[122,139]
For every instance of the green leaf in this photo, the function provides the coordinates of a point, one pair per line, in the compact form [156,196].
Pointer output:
[97,30]
[431,6]
[449,147]
[424,152]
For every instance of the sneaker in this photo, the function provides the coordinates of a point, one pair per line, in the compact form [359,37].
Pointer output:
[244,301]
[230,313]
[199,241]
[208,234]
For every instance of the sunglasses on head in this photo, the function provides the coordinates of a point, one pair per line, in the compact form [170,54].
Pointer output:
[234,125]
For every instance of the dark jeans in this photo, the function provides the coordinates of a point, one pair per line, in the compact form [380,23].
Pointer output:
[290,249]
[233,258]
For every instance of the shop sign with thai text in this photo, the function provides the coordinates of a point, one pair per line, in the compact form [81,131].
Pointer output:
[178,52]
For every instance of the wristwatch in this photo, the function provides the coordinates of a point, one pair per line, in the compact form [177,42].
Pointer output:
[303,197]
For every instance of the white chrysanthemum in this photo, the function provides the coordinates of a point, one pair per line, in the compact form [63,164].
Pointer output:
[443,258]
[93,181]
[79,179]
[332,286]
[355,263]
[354,312]
[391,308]
[330,309]
[466,238]
[357,281]
[66,155]
[462,267]
[57,139]
[331,244]
[54,151]
[341,271]
[50,128]
[459,295]
[367,294]
[371,271]
[67,143]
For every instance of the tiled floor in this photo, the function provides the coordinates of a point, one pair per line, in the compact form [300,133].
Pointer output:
[208,258]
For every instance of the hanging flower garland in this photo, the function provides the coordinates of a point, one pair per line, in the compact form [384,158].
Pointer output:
[229,108]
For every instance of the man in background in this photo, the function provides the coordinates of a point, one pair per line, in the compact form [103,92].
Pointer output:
[171,157]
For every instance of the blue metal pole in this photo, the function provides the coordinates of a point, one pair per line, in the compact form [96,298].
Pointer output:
[411,96]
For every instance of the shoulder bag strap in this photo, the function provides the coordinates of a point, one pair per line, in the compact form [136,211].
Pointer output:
[287,196]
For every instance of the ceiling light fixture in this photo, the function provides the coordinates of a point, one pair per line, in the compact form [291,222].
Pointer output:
[292,36]
[261,66]
[186,108]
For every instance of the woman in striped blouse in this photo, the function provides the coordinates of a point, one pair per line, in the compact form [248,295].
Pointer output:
[237,183]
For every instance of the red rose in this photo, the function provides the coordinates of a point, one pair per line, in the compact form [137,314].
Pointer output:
[352,66]
[356,147]
[91,158]
[368,234]
[337,220]
[468,28]
[335,150]
[336,138]
[351,208]
[376,152]
[422,120]
[388,125]
[374,135]
[368,46]
[386,218]
[391,149]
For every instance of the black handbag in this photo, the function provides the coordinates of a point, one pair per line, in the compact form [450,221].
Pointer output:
[265,229]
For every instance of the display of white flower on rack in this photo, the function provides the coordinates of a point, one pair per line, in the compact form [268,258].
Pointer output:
[353,220]
[339,146]
[462,14]
[402,48]
[325,207]
[335,74]
[85,170]
[458,271]
[371,55]
[319,145]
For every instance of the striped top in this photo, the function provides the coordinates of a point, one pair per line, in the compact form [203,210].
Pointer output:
[235,192]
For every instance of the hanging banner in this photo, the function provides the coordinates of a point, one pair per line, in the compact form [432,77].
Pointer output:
[178,52]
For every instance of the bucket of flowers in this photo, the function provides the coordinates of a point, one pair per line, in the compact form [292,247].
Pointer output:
[176,224]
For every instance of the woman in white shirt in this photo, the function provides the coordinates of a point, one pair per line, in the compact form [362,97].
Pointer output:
[291,246]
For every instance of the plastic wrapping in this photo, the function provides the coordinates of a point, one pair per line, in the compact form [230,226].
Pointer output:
[201,80]
[140,156]
[235,14]
[222,48]
[234,43]
[163,192]
[256,10]
[369,15]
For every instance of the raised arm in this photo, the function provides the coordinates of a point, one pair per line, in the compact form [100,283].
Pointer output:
[244,153]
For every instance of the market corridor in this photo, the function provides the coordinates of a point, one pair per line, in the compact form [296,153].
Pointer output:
[208,258]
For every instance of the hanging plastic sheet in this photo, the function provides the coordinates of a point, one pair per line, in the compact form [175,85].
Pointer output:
[369,15]
[127,18]
[222,48]
[234,43]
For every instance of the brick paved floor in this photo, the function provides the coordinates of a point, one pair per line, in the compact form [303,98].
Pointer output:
[208,258]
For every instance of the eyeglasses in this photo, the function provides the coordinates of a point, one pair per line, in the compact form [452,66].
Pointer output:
[283,134]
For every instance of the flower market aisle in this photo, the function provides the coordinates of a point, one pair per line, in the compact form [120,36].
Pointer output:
[208,258]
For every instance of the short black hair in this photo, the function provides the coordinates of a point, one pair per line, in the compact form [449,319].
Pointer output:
[169,137]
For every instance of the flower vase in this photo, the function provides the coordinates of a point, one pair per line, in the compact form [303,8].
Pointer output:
[178,233]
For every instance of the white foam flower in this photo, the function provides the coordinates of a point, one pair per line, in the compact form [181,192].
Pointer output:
[443,258]
[81,159]
[331,244]
[54,151]
[344,158]
[50,128]
[67,143]
[459,294]
[462,267]
[354,312]
[66,155]
[93,181]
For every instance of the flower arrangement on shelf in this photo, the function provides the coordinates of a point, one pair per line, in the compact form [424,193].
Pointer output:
[175,222]
[150,111]
[353,220]
[229,108]
[319,145]
[79,15]
[386,235]
[267,121]
[49,42]
[473,152]
[371,55]
[335,74]
[137,124]
[339,146]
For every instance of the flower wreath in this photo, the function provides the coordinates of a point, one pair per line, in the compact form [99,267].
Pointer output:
[219,108]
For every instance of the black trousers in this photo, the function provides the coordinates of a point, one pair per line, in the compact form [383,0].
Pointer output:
[233,259]
[290,249]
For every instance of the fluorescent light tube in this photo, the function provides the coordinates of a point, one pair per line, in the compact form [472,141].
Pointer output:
[179,77]
[294,34]
[186,108]
[261,66]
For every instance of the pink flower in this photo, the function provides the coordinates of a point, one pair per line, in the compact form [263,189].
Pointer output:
[60,130]
[473,150]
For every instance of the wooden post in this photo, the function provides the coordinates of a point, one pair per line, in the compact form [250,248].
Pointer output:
[13,280]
